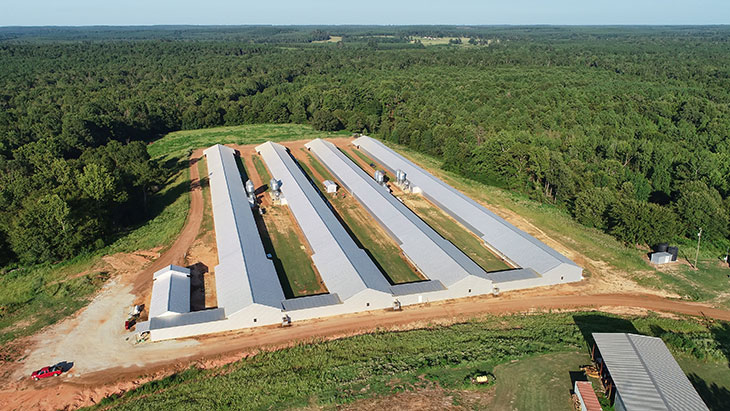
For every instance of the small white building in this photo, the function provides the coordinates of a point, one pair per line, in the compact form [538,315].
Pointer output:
[661,257]
[170,291]
[330,186]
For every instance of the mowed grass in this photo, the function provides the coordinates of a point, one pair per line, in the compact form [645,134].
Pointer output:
[537,383]
[458,235]
[293,263]
[531,356]
[261,169]
[381,248]
[178,143]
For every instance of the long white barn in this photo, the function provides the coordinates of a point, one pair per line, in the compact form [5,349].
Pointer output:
[436,258]
[347,271]
[245,277]
[515,245]
[248,290]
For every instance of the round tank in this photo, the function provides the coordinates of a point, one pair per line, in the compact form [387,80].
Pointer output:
[379,176]
[662,247]
[249,187]
[274,184]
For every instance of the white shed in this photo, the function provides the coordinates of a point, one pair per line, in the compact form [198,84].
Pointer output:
[170,291]
[661,257]
[330,186]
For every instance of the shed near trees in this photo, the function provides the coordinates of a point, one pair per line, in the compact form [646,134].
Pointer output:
[640,373]
[661,257]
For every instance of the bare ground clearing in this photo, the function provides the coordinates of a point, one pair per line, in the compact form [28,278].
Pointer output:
[106,363]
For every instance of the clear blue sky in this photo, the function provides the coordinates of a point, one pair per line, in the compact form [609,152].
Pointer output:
[385,12]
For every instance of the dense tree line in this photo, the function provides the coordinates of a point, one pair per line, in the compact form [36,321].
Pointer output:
[627,129]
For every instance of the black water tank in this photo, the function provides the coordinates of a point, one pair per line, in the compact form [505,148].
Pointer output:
[673,251]
[661,247]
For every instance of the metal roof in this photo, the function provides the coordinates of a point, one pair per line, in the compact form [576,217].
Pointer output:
[344,267]
[417,287]
[311,301]
[178,320]
[646,374]
[170,291]
[435,257]
[514,244]
[171,267]
[244,274]
[512,275]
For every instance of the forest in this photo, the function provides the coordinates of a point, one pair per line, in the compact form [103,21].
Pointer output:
[625,128]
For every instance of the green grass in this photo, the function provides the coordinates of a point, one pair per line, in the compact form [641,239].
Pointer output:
[711,380]
[537,383]
[34,297]
[207,223]
[261,170]
[458,235]
[385,253]
[362,156]
[293,263]
[178,143]
[548,346]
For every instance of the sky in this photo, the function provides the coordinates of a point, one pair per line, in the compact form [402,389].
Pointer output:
[381,12]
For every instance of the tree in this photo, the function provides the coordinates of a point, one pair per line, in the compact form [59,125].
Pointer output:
[42,230]
[98,184]
[699,206]
[591,207]
[326,121]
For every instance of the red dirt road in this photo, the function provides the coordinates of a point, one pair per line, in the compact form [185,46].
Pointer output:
[89,388]
[176,253]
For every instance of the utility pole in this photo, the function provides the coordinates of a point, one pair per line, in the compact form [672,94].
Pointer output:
[697,255]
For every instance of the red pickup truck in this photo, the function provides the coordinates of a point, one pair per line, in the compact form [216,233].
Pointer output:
[45,372]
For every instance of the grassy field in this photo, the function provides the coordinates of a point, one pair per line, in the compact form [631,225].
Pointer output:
[178,143]
[332,39]
[547,347]
[383,251]
[537,383]
[442,41]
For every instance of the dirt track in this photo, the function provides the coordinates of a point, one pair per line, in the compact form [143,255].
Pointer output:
[136,364]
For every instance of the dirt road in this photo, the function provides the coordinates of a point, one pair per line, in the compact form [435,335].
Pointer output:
[105,363]
[95,337]
[220,349]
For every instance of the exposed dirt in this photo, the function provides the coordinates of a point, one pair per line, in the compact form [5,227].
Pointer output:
[435,398]
[94,338]
[106,363]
